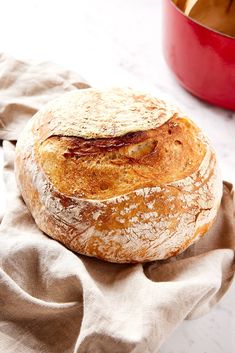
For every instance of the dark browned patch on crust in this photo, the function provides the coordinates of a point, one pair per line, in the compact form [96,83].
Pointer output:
[79,147]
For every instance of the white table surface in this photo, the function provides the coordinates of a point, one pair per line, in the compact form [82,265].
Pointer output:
[113,43]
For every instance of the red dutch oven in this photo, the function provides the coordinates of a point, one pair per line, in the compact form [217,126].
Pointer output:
[202,59]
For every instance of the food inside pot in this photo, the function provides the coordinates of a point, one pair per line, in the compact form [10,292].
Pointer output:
[218,15]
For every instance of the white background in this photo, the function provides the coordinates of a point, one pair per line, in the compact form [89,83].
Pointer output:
[112,43]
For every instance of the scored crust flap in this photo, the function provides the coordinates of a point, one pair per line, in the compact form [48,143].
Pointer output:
[93,113]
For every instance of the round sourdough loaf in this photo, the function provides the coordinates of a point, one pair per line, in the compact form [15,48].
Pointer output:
[118,174]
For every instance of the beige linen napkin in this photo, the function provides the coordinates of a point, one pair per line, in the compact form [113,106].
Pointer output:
[54,301]
[25,87]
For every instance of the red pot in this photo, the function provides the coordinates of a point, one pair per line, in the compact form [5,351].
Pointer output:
[202,59]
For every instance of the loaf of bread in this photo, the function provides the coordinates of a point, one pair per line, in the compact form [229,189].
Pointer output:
[118,175]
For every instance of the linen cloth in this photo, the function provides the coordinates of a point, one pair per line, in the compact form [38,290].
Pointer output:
[55,301]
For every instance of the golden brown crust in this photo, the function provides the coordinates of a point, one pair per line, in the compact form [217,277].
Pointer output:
[104,168]
[139,196]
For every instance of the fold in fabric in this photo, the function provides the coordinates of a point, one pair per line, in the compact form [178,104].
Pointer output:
[25,87]
[55,301]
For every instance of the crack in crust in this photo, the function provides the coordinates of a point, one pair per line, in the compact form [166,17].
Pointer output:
[107,167]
